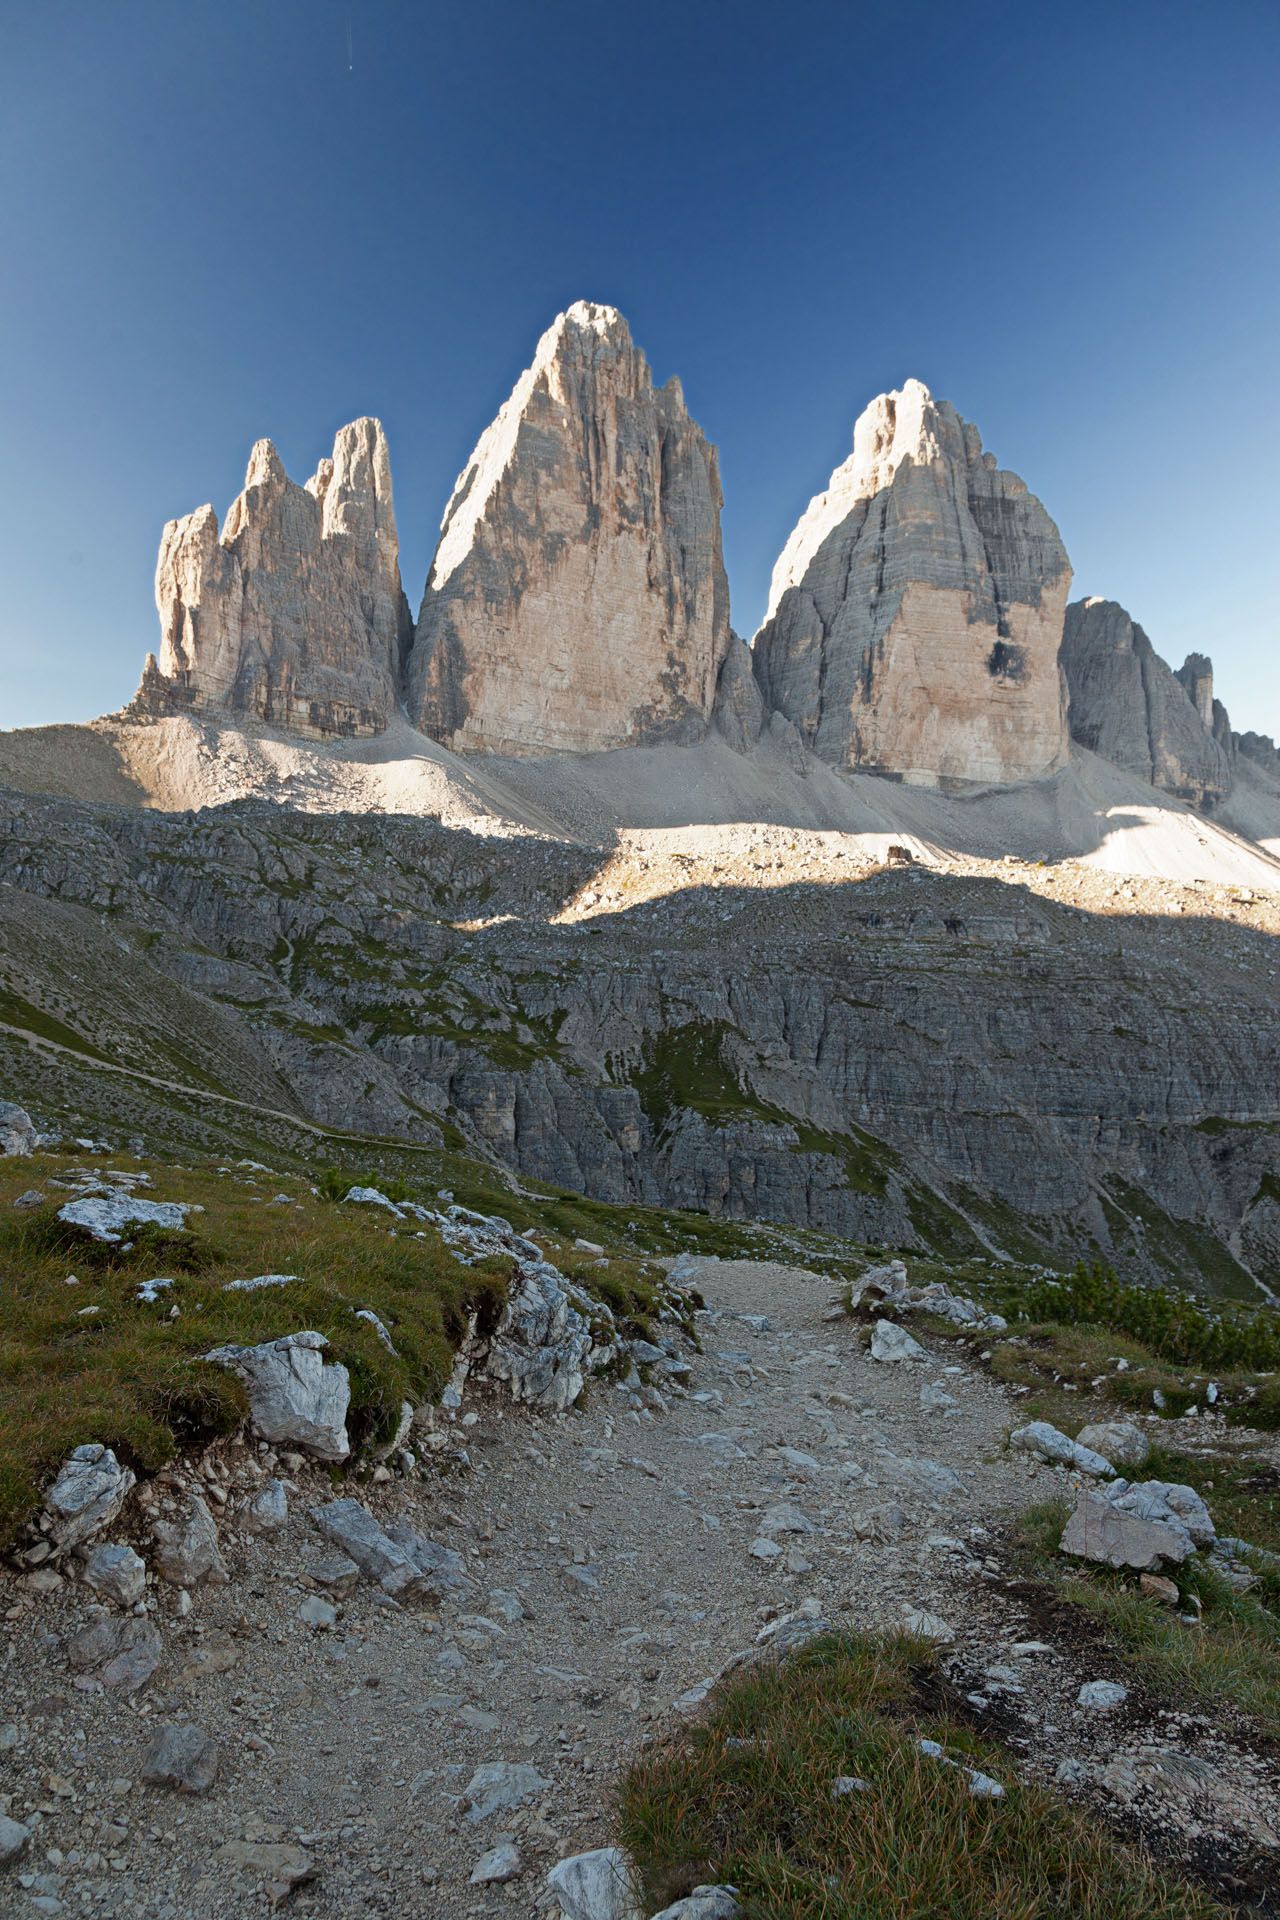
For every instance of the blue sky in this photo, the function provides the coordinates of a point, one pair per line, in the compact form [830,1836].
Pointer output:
[214,226]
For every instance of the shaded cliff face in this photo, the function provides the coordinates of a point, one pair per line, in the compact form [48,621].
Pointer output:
[916,611]
[577,600]
[294,613]
[1130,707]
[906,1057]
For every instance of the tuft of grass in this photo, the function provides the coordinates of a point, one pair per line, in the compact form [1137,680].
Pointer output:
[744,1797]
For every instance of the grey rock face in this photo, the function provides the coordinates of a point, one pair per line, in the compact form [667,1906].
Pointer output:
[916,611]
[1129,706]
[1048,1444]
[1100,1531]
[500,1786]
[116,1573]
[187,1552]
[577,600]
[599,1885]
[294,613]
[268,1511]
[14,1838]
[183,1758]
[87,1495]
[880,1048]
[115,1653]
[1119,1441]
[295,1397]
[108,1217]
[17,1132]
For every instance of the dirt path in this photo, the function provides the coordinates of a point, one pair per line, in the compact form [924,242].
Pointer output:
[611,1554]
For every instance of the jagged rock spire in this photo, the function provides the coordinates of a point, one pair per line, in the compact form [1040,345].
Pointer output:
[577,600]
[294,613]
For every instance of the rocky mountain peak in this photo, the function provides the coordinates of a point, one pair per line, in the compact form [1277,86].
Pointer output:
[577,600]
[915,613]
[294,613]
[1128,705]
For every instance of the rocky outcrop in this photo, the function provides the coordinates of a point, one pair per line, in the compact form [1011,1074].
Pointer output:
[294,613]
[577,600]
[1129,706]
[1259,748]
[916,611]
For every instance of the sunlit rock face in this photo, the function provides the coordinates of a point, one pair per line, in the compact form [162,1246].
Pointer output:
[1130,707]
[577,600]
[294,613]
[916,611]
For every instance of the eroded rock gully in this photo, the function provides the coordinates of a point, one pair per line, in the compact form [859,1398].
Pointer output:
[613,1558]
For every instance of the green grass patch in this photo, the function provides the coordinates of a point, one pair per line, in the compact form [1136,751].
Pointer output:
[744,1797]
[128,1374]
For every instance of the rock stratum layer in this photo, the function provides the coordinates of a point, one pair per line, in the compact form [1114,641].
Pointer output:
[916,611]
[294,613]
[1129,706]
[577,600]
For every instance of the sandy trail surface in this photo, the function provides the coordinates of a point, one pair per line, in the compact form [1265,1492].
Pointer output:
[609,1555]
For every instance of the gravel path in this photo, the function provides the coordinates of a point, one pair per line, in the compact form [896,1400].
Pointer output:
[611,1554]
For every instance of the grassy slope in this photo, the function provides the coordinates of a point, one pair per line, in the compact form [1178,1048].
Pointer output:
[744,1797]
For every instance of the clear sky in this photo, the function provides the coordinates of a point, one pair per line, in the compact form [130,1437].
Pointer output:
[221,219]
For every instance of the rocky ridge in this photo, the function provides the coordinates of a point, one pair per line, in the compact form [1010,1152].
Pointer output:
[1129,706]
[294,613]
[915,613]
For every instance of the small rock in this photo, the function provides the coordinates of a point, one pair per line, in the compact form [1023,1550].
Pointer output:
[848,1783]
[890,1342]
[184,1758]
[1048,1444]
[268,1511]
[187,1552]
[495,1868]
[927,1626]
[1161,1589]
[87,1495]
[501,1786]
[116,1573]
[936,1399]
[295,1397]
[596,1886]
[13,1835]
[785,1518]
[704,1903]
[1100,1696]
[763,1549]
[17,1130]
[1119,1441]
[106,1217]
[318,1613]
[116,1652]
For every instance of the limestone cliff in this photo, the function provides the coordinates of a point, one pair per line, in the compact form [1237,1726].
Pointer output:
[577,600]
[916,611]
[1129,706]
[294,613]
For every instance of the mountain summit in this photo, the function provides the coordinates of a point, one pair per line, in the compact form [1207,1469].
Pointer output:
[916,611]
[578,598]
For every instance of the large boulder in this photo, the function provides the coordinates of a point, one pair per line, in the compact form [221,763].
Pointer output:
[109,1216]
[1131,708]
[296,1398]
[294,613]
[578,598]
[17,1131]
[1144,1527]
[600,1885]
[915,613]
